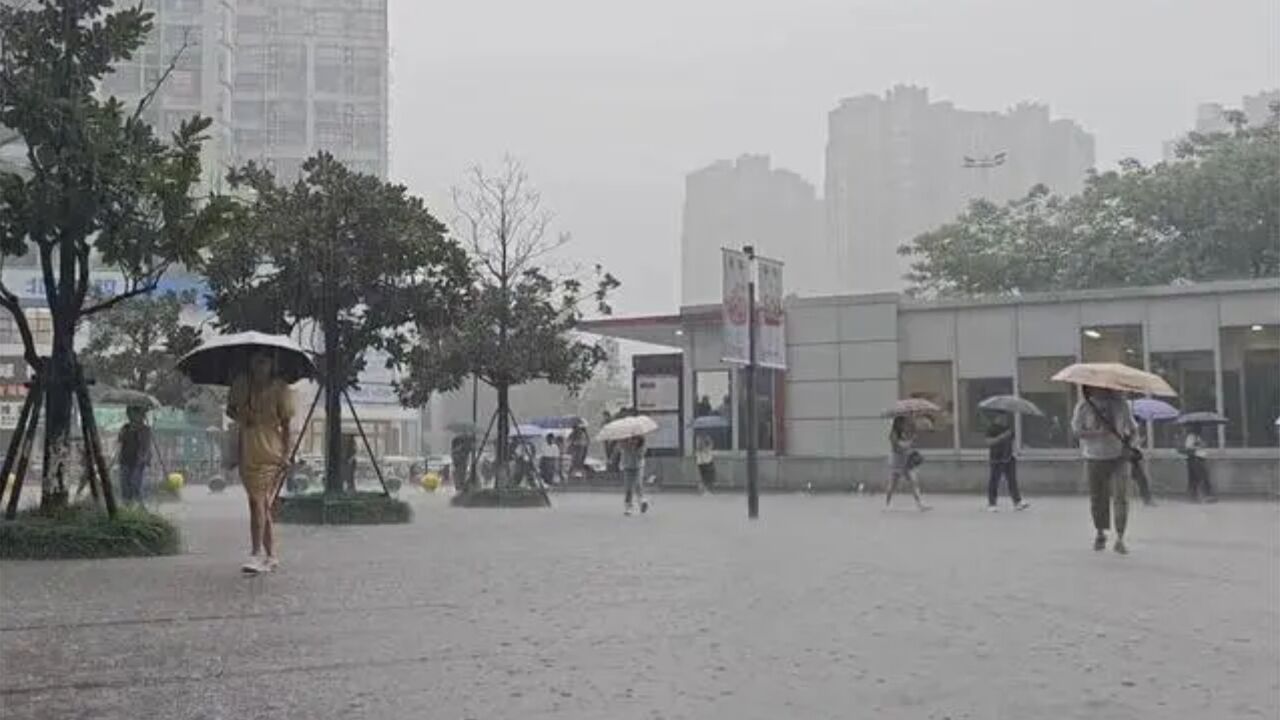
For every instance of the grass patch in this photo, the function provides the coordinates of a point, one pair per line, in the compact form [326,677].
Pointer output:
[363,508]
[84,531]
[502,498]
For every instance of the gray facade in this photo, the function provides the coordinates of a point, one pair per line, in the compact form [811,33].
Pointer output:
[850,357]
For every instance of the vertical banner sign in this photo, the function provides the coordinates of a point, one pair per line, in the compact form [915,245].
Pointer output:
[771,336]
[733,304]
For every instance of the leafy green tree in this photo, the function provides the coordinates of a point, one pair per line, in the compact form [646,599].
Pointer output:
[99,190]
[1214,213]
[137,345]
[520,321]
[344,256]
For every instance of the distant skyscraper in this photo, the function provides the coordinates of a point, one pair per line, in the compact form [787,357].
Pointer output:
[747,202]
[311,75]
[896,167]
[1212,117]
[196,37]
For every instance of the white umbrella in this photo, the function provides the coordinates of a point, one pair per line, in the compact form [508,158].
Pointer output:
[217,361]
[627,427]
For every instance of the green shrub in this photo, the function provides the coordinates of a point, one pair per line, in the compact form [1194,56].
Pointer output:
[85,531]
[363,508]
[502,498]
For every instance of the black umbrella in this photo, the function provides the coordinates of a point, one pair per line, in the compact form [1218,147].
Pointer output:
[218,361]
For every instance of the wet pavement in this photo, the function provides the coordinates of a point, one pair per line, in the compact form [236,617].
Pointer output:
[827,607]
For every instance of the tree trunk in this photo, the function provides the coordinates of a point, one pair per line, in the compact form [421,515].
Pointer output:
[501,443]
[59,391]
[334,375]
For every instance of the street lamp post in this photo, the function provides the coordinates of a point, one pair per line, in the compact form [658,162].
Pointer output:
[753,469]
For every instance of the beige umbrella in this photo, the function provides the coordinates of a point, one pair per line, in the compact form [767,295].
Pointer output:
[1115,376]
[627,427]
[911,406]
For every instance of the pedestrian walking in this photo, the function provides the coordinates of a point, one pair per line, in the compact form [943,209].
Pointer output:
[579,441]
[135,453]
[1198,486]
[1003,462]
[904,458]
[611,454]
[630,457]
[706,461]
[548,459]
[460,448]
[1104,423]
[261,404]
[1138,467]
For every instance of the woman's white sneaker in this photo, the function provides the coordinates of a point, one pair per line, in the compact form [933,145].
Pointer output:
[252,566]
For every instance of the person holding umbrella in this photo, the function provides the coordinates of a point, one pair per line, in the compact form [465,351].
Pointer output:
[1104,422]
[904,458]
[1147,410]
[1000,446]
[627,435]
[259,369]
[135,453]
[1003,462]
[1198,486]
[261,404]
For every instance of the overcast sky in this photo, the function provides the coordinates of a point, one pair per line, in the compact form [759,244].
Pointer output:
[610,103]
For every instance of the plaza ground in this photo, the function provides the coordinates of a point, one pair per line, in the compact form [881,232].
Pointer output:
[827,607]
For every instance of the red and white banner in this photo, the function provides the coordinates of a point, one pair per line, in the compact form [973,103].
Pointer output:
[733,304]
[771,320]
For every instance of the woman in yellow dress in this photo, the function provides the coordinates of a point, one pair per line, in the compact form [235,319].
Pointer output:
[261,404]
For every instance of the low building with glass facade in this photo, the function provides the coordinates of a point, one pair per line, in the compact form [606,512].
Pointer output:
[850,357]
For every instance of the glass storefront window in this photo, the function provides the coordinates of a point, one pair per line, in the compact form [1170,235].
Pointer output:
[764,409]
[1251,384]
[1191,374]
[931,381]
[713,400]
[1055,399]
[1117,343]
[973,420]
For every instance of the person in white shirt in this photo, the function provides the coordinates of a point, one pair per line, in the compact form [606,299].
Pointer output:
[1198,486]
[1104,423]
[549,460]
[705,458]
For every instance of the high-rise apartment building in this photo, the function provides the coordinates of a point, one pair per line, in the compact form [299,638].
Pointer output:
[195,37]
[1213,117]
[748,202]
[900,165]
[311,75]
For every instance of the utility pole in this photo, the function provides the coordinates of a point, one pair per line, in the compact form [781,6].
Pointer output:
[752,429]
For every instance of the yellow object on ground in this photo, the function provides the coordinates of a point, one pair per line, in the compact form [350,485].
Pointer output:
[431,482]
[174,481]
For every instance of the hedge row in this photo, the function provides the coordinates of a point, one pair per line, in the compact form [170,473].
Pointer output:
[84,531]
[363,508]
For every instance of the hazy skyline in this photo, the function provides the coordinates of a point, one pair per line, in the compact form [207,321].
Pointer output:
[611,104]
